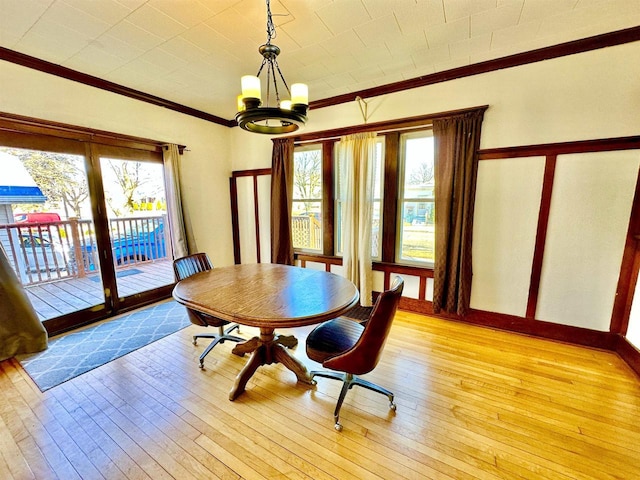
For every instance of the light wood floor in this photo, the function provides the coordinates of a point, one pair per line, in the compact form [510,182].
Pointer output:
[473,403]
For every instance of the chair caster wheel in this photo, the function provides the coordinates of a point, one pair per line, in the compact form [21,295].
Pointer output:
[201,366]
[338,427]
[195,341]
[393,406]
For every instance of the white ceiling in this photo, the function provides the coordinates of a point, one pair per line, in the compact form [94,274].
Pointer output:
[193,52]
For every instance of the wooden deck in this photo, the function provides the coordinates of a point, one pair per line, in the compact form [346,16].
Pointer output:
[60,297]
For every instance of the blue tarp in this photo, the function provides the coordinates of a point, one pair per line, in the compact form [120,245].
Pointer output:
[21,195]
[16,184]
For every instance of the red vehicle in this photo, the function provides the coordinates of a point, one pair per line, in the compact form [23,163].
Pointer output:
[37,217]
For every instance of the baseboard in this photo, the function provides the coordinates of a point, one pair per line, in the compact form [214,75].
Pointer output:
[527,326]
[629,354]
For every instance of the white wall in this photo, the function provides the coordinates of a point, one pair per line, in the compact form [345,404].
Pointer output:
[593,95]
[588,223]
[206,165]
[504,234]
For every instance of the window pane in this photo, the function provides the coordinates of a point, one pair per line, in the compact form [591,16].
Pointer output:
[306,215]
[417,214]
[46,225]
[376,223]
[137,211]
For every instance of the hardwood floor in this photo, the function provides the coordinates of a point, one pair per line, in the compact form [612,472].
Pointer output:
[473,403]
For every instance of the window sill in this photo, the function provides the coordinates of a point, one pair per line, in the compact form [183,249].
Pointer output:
[377,266]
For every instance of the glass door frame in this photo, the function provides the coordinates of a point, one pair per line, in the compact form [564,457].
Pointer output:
[117,303]
[22,132]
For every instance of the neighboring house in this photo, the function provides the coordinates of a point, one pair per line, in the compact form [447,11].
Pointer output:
[16,186]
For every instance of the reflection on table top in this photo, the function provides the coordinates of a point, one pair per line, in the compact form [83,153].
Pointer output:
[268,295]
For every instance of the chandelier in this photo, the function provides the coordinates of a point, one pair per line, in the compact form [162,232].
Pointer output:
[284,116]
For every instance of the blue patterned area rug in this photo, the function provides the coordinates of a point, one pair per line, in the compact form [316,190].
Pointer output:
[75,353]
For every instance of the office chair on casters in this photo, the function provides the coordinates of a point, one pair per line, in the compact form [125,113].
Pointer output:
[351,348]
[190,265]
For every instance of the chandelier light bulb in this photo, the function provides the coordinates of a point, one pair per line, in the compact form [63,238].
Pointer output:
[250,87]
[299,94]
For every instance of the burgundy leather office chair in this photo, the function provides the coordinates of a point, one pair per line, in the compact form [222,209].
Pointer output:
[350,348]
[190,265]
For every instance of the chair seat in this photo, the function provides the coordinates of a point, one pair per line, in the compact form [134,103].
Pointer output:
[214,321]
[332,338]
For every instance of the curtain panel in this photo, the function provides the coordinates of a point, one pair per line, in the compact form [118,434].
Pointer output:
[282,201]
[457,140]
[175,217]
[356,158]
[20,329]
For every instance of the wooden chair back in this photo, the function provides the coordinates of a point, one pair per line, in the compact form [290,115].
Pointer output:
[365,354]
[190,265]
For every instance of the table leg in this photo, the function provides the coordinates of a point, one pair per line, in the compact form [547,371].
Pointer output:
[246,347]
[288,341]
[281,355]
[265,350]
[256,359]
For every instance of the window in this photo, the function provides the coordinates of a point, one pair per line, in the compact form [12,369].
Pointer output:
[416,213]
[376,226]
[306,215]
[403,221]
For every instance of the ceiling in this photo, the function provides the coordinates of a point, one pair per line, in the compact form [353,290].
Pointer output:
[193,52]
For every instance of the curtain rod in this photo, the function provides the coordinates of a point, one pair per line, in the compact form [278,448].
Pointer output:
[386,126]
[425,126]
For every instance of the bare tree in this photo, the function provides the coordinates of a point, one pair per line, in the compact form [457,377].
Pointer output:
[129,177]
[307,178]
[421,174]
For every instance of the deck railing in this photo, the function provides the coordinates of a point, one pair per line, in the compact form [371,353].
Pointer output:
[45,252]
[306,232]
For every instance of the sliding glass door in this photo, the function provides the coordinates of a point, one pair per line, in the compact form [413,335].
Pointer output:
[136,210]
[84,225]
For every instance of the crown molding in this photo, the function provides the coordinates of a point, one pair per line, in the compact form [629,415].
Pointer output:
[547,53]
[610,39]
[86,79]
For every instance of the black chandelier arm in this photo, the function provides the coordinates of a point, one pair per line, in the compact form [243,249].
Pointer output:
[272,70]
[282,77]
[264,60]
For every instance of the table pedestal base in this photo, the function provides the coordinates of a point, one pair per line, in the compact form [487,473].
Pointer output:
[265,350]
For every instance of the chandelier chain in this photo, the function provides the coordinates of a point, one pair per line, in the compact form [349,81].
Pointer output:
[271,28]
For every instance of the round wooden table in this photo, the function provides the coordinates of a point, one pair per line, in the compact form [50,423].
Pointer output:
[267,296]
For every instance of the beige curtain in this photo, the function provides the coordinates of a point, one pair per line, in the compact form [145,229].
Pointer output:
[282,201]
[356,158]
[171,157]
[457,140]
[20,329]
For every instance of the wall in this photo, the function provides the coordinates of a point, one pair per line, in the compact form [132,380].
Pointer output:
[206,165]
[593,95]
